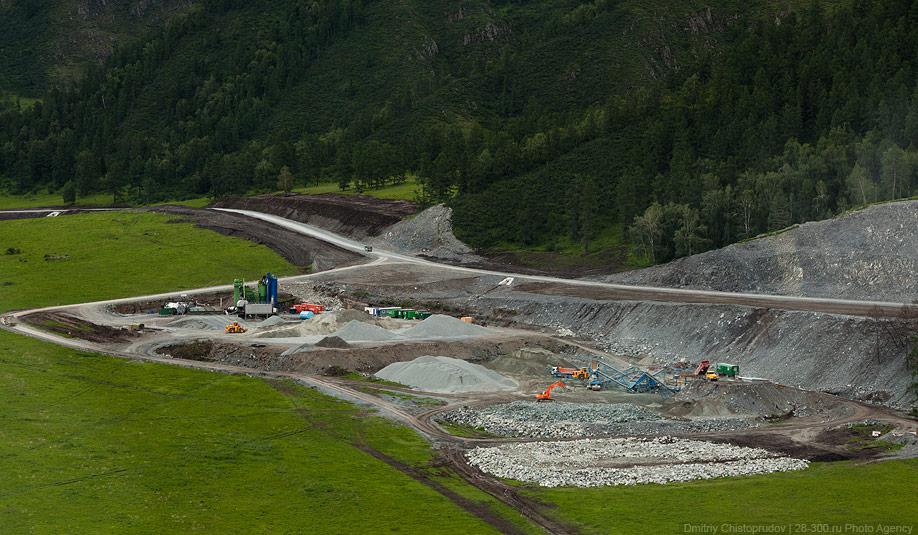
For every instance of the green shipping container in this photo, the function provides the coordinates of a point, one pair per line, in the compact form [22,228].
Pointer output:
[423,314]
[727,369]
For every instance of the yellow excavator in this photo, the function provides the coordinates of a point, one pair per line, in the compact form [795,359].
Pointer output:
[234,327]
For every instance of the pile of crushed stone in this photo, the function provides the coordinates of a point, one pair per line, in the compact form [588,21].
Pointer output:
[333,342]
[625,461]
[429,233]
[358,331]
[446,375]
[442,326]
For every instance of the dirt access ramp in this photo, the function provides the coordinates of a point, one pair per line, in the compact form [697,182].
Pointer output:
[298,249]
[358,216]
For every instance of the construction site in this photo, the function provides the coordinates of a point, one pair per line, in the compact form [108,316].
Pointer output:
[550,381]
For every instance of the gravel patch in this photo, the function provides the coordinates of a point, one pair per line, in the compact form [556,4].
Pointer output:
[442,326]
[446,375]
[628,461]
[573,420]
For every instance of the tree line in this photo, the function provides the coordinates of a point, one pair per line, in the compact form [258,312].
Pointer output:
[785,120]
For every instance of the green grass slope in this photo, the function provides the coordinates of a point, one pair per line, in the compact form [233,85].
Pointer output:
[93,444]
[87,257]
[825,494]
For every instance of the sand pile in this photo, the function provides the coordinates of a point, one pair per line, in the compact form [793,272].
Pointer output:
[440,326]
[446,375]
[358,331]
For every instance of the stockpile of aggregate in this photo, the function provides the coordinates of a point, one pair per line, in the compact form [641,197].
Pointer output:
[572,420]
[446,375]
[442,326]
[625,461]
[358,331]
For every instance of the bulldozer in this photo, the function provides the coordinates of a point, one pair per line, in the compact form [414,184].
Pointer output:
[234,327]
[546,396]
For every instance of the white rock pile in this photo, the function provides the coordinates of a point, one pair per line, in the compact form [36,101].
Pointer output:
[576,420]
[625,461]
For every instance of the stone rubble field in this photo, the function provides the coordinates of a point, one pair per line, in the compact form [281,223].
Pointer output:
[625,461]
[558,420]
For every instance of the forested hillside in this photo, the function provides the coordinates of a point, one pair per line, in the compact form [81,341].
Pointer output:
[48,42]
[679,126]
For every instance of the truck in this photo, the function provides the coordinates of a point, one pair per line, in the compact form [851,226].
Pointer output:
[307,307]
[727,370]
[570,373]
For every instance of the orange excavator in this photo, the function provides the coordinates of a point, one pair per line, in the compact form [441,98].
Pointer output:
[546,396]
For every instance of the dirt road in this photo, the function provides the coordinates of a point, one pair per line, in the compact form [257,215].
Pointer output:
[578,288]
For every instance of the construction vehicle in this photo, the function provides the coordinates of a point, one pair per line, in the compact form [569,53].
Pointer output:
[368,248]
[711,376]
[546,396]
[703,367]
[570,373]
[307,307]
[234,328]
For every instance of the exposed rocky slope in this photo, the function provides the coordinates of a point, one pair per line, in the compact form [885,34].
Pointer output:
[869,254]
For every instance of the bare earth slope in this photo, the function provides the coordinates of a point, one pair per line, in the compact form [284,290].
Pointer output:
[871,254]
[357,216]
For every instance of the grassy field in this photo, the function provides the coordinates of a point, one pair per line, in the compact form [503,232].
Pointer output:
[42,200]
[86,257]
[96,444]
[826,493]
[403,192]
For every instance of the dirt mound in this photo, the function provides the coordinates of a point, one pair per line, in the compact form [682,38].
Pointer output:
[442,326]
[72,326]
[430,233]
[333,342]
[868,254]
[765,399]
[355,215]
[446,375]
[296,248]
[358,331]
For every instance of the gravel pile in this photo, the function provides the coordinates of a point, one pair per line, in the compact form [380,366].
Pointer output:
[603,462]
[333,342]
[274,321]
[442,326]
[446,375]
[572,420]
[429,233]
[358,331]
[867,254]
